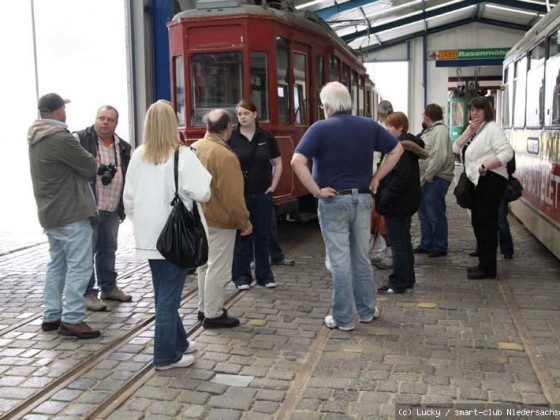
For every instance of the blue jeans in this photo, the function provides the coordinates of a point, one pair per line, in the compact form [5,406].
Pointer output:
[68,272]
[170,337]
[432,215]
[398,231]
[105,242]
[504,234]
[345,225]
[259,206]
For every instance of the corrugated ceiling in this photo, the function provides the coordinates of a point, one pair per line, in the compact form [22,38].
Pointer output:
[372,25]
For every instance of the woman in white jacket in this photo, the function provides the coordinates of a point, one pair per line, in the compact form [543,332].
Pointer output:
[148,192]
[485,157]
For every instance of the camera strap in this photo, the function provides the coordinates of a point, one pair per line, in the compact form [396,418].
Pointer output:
[114,151]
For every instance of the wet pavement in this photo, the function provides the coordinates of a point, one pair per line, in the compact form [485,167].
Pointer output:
[452,342]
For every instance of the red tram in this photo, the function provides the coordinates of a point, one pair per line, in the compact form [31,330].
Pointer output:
[280,58]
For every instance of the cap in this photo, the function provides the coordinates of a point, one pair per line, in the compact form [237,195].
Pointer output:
[384,108]
[51,102]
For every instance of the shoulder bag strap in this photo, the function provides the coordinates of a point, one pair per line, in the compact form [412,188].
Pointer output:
[469,141]
[176,176]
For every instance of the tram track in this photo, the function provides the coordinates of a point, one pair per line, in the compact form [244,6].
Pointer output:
[37,315]
[123,392]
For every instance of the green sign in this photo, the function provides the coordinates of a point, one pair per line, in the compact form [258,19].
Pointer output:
[484,53]
[471,54]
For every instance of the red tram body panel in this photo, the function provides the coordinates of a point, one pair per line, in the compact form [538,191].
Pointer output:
[279,58]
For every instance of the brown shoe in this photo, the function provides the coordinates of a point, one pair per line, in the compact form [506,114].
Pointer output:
[94,304]
[116,294]
[81,330]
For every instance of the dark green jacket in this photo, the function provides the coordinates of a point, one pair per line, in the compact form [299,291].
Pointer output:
[60,168]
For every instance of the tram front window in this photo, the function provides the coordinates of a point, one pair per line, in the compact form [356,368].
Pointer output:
[216,82]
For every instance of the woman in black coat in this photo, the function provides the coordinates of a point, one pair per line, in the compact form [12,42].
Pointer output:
[398,198]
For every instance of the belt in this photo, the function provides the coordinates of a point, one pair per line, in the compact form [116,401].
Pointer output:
[350,191]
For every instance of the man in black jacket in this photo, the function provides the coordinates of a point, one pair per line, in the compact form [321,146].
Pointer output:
[112,155]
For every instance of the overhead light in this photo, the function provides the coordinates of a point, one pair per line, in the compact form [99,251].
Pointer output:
[393,9]
[309,3]
[511,9]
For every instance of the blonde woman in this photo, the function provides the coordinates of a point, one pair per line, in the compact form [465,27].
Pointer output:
[148,192]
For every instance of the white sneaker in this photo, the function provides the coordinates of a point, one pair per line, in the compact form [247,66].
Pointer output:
[270,285]
[186,361]
[193,346]
[372,317]
[244,286]
[330,323]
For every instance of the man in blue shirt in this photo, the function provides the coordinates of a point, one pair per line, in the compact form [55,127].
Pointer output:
[341,148]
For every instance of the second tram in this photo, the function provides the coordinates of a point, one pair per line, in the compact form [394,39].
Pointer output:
[530,114]
[277,56]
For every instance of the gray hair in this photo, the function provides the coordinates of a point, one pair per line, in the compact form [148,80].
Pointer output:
[337,97]
[384,108]
[217,120]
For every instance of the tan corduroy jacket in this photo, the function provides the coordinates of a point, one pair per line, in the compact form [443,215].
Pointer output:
[226,208]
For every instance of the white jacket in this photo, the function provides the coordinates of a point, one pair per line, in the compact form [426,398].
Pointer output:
[149,190]
[490,142]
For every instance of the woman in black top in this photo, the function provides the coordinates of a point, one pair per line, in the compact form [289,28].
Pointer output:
[398,198]
[261,165]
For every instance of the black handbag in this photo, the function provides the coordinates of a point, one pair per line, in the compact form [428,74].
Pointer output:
[464,191]
[514,189]
[183,240]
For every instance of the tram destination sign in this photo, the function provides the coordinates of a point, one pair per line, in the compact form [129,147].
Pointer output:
[469,54]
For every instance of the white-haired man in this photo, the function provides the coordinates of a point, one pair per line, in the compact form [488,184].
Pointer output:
[341,148]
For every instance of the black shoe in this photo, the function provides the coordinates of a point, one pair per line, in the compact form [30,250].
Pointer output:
[81,330]
[420,250]
[50,326]
[508,255]
[480,275]
[473,269]
[200,315]
[285,261]
[223,321]
[437,253]
[474,254]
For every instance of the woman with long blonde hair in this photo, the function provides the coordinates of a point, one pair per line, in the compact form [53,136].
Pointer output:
[148,192]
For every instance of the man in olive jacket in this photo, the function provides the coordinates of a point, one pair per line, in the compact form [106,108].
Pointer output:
[225,212]
[60,169]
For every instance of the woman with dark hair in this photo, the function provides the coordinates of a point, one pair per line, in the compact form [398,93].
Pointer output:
[485,151]
[261,165]
[398,198]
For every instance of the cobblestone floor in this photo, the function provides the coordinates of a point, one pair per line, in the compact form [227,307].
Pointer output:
[451,340]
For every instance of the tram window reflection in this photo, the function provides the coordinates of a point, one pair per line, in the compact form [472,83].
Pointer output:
[216,82]
[282,66]
[180,90]
[300,88]
[552,82]
[259,84]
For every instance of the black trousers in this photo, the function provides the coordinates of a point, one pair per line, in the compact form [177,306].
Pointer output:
[488,194]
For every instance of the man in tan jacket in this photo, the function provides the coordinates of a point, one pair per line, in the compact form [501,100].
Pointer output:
[225,213]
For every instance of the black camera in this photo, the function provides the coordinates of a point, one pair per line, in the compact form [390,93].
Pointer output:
[107,173]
